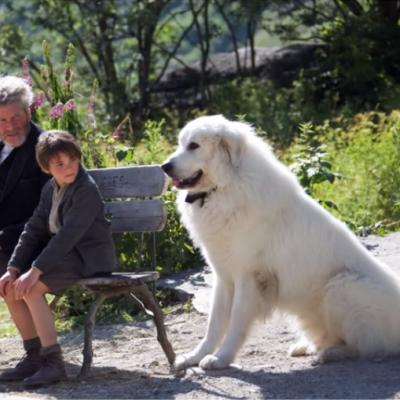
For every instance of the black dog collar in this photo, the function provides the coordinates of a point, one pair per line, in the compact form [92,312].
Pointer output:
[202,196]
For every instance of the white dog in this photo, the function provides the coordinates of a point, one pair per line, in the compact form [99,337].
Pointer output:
[272,247]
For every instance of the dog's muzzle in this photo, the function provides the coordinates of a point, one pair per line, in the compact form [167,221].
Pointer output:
[187,183]
[167,168]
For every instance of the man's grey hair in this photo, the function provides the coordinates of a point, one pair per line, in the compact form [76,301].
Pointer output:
[15,90]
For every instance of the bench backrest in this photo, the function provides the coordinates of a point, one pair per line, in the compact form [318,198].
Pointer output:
[128,193]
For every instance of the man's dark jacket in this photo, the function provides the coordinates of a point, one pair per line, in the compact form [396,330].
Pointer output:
[83,229]
[21,181]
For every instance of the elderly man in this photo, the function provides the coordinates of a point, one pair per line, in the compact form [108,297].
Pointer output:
[21,181]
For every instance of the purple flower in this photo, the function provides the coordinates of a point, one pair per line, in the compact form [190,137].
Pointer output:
[117,134]
[57,111]
[69,105]
[38,100]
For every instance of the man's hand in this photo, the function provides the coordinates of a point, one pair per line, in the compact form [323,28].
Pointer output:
[25,282]
[6,279]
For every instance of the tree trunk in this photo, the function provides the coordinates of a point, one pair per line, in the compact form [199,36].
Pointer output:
[145,34]
[111,84]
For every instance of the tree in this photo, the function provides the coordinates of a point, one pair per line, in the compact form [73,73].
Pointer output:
[113,39]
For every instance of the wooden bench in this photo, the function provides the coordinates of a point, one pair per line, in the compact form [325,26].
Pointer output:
[128,193]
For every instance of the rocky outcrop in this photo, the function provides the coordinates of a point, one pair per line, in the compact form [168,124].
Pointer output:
[280,65]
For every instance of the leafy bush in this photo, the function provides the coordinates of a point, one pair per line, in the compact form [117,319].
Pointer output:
[272,110]
[311,164]
[277,111]
[367,155]
[360,65]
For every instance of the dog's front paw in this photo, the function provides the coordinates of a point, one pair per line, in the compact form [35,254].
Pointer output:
[301,348]
[213,362]
[186,360]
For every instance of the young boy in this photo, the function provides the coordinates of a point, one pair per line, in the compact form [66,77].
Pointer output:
[67,238]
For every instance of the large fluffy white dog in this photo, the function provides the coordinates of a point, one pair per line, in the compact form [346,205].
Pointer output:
[272,247]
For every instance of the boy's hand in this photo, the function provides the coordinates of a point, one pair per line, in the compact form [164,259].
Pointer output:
[25,282]
[7,278]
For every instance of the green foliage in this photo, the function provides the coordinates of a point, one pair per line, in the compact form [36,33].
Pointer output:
[11,38]
[310,162]
[54,106]
[7,327]
[176,252]
[276,111]
[360,64]
[365,152]
[74,304]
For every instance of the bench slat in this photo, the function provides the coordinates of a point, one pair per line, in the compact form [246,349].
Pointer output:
[136,215]
[118,279]
[145,181]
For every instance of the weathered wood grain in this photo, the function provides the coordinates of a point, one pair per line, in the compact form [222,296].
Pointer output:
[136,215]
[140,181]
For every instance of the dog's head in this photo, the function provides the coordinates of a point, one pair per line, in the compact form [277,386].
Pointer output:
[210,150]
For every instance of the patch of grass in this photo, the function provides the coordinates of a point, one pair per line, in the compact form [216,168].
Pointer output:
[7,327]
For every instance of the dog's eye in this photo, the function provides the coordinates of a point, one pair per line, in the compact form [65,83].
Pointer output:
[193,146]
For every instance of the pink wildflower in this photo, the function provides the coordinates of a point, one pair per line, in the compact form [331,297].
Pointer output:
[69,105]
[38,100]
[57,111]
[117,134]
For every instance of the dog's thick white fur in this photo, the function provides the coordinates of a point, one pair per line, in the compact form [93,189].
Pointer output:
[272,247]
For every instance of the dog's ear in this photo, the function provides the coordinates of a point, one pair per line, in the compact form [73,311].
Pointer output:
[233,145]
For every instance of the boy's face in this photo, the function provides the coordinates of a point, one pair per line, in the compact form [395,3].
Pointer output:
[64,168]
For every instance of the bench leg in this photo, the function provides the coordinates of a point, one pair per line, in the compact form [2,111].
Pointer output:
[151,304]
[90,321]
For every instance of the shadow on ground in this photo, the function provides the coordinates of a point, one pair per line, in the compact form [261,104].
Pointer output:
[345,380]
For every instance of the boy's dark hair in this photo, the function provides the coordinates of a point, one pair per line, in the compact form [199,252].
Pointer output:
[51,143]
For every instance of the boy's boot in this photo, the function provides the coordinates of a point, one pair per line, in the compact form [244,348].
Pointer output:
[28,365]
[52,369]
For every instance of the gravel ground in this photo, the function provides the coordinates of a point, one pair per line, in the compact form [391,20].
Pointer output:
[129,363]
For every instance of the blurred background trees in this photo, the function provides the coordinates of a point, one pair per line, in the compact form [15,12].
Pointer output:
[129,46]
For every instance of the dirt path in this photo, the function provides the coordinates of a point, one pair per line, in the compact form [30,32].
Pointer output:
[129,364]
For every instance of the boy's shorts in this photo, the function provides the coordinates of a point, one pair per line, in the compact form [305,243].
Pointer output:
[3,262]
[64,274]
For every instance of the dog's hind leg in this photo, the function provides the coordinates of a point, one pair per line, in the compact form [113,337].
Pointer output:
[359,311]
[247,298]
[217,323]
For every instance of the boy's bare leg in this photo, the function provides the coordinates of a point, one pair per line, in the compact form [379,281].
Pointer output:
[17,308]
[53,368]
[41,313]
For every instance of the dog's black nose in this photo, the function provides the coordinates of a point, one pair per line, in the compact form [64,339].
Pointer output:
[167,167]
